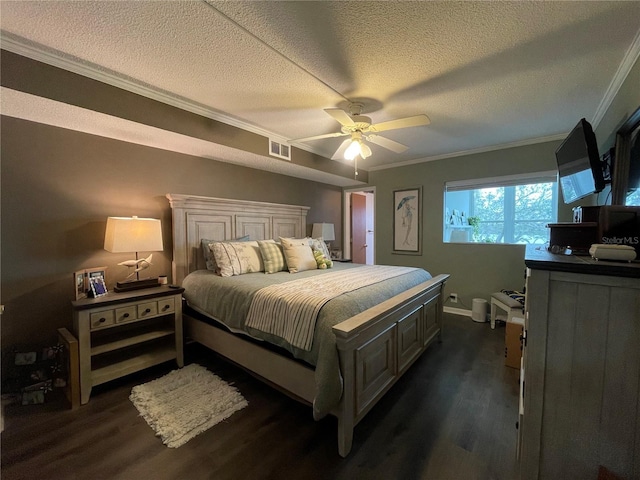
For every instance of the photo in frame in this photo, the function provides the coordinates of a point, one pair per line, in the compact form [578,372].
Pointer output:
[96,281]
[407,221]
[80,284]
[98,286]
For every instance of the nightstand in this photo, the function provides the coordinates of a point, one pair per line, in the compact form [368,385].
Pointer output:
[121,333]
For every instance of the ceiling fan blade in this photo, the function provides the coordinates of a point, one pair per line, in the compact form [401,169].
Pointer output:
[388,144]
[339,155]
[318,137]
[414,121]
[340,116]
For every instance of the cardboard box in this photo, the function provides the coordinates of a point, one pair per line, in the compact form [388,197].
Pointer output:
[512,342]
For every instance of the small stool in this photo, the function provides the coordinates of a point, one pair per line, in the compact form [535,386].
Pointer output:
[504,302]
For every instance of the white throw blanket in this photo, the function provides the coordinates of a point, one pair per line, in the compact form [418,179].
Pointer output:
[289,310]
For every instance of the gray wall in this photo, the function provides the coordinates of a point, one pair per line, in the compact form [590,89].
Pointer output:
[59,187]
[626,101]
[477,270]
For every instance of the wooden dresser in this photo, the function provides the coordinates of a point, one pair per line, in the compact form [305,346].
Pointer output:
[581,368]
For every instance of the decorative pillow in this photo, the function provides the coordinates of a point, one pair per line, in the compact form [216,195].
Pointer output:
[322,261]
[237,258]
[298,254]
[318,245]
[209,259]
[272,256]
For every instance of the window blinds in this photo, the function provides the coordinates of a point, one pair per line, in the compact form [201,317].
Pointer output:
[505,181]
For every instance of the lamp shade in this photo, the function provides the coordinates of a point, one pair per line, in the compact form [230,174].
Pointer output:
[133,234]
[324,230]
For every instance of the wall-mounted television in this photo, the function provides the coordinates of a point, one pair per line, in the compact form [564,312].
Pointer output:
[579,165]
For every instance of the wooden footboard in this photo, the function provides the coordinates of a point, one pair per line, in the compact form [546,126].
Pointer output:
[376,348]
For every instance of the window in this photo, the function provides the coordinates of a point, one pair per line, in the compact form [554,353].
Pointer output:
[513,209]
[633,197]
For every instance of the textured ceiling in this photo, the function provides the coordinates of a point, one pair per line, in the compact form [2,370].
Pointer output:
[488,74]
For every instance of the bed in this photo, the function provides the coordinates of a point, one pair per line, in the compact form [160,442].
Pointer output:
[363,343]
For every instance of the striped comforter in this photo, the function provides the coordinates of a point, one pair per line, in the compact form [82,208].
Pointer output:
[289,310]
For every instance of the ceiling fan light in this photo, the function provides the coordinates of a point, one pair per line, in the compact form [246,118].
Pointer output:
[352,150]
[365,151]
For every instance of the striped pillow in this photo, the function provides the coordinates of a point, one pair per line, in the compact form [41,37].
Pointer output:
[272,256]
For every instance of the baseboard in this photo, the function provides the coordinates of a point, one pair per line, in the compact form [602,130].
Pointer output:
[457,311]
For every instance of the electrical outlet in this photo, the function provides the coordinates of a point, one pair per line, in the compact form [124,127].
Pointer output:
[453,297]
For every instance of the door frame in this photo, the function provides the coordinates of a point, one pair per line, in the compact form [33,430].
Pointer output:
[346,219]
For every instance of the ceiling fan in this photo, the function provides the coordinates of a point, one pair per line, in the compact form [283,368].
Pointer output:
[359,127]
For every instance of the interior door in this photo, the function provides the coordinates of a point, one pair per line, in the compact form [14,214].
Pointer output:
[358,228]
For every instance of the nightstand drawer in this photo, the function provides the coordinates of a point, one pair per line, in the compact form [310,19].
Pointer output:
[149,309]
[168,305]
[102,319]
[126,314]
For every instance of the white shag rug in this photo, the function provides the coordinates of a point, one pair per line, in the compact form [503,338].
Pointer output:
[185,403]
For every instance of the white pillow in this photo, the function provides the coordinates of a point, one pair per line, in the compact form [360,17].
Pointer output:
[209,259]
[298,254]
[237,258]
[318,244]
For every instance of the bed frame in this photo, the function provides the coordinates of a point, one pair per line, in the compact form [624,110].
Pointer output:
[376,347]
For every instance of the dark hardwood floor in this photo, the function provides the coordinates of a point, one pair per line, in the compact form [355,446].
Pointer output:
[452,416]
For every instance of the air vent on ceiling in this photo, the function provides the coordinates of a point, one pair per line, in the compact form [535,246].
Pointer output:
[279,150]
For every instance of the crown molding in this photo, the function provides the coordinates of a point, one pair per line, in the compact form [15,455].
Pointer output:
[15,44]
[461,153]
[628,61]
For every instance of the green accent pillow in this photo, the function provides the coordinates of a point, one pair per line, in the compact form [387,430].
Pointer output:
[272,256]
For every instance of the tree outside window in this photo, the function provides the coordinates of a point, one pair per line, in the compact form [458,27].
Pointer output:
[633,198]
[515,213]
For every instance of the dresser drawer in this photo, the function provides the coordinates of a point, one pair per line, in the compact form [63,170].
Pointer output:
[148,309]
[167,305]
[102,319]
[126,314]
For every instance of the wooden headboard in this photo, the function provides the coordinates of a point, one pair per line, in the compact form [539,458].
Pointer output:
[195,218]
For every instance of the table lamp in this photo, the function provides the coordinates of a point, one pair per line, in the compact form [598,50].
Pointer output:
[133,234]
[324,230]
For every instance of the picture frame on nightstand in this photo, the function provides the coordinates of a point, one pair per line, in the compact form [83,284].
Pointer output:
[83,283]
[98,286]
[96,279]
[80,284]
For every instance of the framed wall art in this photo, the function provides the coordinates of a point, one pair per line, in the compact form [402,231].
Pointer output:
[407,221]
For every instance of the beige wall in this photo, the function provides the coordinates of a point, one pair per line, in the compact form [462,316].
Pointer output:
[59,186]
